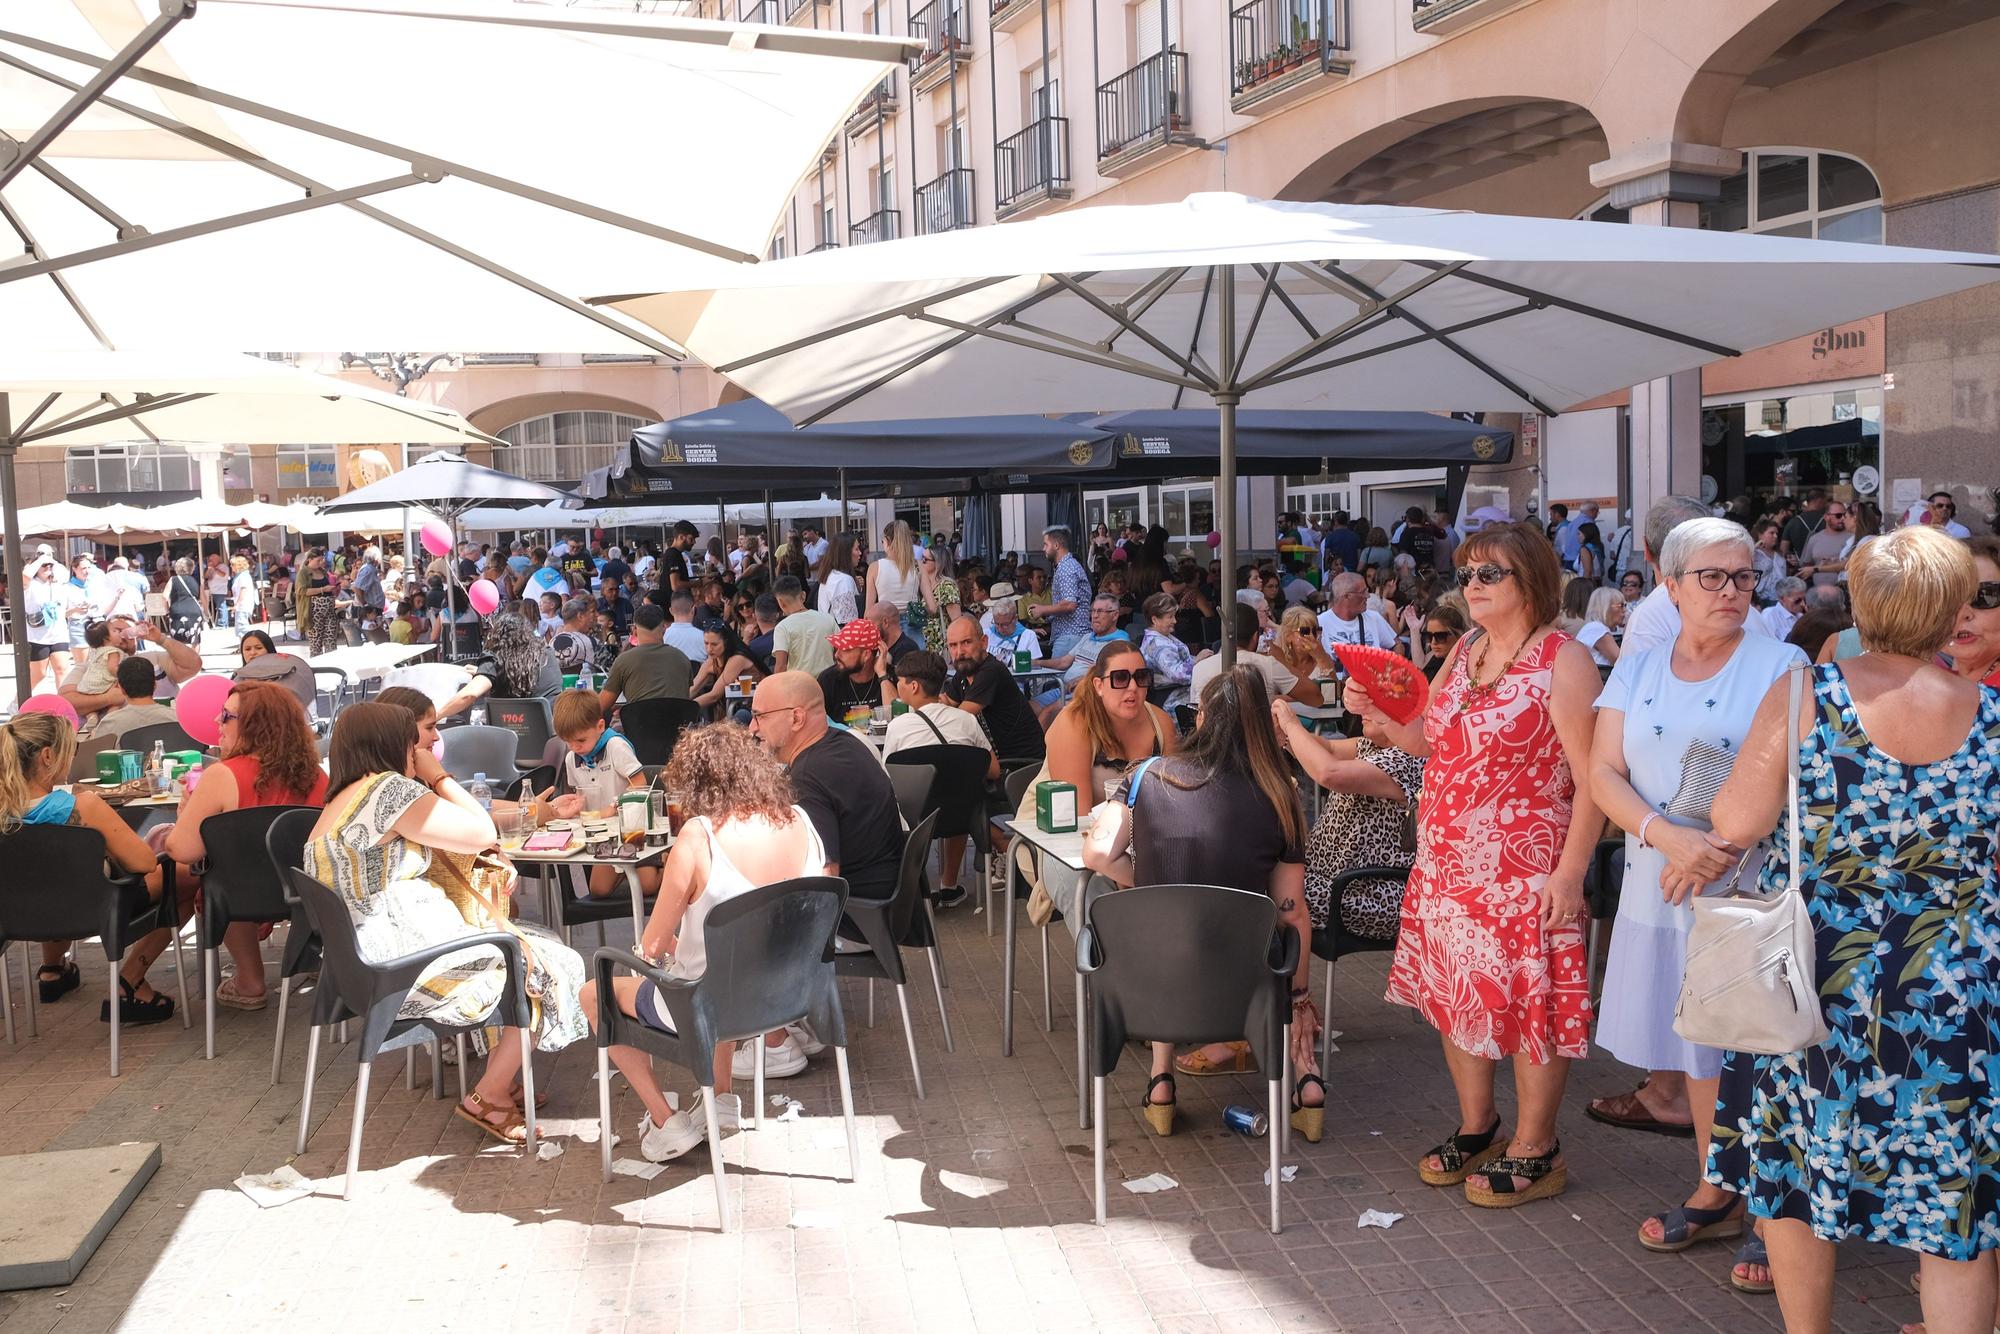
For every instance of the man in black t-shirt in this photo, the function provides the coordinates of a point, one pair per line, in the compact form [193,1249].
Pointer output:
[984,688]
[578,567]
[836,780]
[1419,540]
[856,680]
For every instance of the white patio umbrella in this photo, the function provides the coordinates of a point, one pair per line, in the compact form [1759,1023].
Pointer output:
[342,173]
[1220,299]
[94,397]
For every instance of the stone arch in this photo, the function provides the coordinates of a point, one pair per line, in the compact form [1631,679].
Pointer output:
[498,416]
[1734,56]
[1455,145]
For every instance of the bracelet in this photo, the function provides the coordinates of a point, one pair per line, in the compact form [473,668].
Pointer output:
[1650,817]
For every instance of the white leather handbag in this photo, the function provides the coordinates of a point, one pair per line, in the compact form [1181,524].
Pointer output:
[1752,981]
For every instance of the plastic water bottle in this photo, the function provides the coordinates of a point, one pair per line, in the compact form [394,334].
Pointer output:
[482,792]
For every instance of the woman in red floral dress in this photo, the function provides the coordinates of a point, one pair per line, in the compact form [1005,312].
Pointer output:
[1491,949]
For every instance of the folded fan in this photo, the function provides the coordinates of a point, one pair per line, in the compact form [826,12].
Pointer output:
[1391,680]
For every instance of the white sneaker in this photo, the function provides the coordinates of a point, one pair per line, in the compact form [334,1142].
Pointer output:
[688,1128]
[782,1061]
[808,1039]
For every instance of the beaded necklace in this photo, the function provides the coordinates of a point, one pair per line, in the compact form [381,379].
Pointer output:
[1476,693]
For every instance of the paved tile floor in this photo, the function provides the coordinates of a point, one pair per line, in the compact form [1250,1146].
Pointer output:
[972,1211]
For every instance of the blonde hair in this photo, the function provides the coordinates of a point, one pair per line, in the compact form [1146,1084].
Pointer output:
[21,740]
[1296,618]
[1908,589]
[240,564]
[900,546]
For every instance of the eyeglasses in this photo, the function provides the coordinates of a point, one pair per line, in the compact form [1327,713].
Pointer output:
[765,713]
[1987,596]
[1436,636]
[226,716]
[1123,678]
[1713,578]
[1488,574]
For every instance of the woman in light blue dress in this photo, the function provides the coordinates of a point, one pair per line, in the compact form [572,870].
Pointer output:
[1669,717]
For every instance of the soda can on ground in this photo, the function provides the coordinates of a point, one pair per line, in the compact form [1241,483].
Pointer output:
[1245,1120]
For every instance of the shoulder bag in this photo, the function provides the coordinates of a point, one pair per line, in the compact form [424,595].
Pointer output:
[1752,979]
[1107,848]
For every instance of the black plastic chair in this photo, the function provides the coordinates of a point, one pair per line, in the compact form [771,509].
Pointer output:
[333,690]
[912,783]
[770,963]
[1188,963]
[1601,886]
[70,896]
[1334,941]
[492,751]
[654,726]
[889,924]
[284,844]
[373,993]
[532,721]
[531,784]
[141,739]
[957,795]
[241,882]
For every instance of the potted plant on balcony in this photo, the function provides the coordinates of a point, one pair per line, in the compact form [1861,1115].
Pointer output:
[1246,73]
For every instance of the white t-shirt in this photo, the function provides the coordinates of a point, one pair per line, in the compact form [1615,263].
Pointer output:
[838,597]
[548,579]
[687,637]
[1589,635]
[1278,677]
[601,784]
[1777,621]
[48,610]
[1654,620]
[1004,647]
[959,727]
[1371,628]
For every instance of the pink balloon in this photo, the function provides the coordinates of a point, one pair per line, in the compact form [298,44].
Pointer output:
[1215,539]
[197,704]
[484,595]
[55,704]
[437,537]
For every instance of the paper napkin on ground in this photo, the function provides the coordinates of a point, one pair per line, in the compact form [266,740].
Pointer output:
[636,1167]
[275,1188]
[1284,1174]
[1147,1185]
[1377,1218]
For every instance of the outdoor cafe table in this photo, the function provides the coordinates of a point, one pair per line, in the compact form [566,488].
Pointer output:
[370,662]
[578,857]
[1026,680]
[1065,848]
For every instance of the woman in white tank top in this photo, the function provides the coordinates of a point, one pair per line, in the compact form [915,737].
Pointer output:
[896,579]
[744,832]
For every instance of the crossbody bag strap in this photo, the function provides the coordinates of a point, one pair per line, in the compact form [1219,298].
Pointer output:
[936,731]
[1796,694]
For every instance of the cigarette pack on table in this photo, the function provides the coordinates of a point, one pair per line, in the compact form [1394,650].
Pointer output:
[1055,807]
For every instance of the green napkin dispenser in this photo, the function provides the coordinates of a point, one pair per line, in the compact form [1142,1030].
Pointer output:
[1055,807]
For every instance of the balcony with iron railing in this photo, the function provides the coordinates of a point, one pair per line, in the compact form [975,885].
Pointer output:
[945,204]
[1442,16]
[800,11]
[1008,15]
[1032,167]
[947,37]
[877,107]
[1281,49]
[885,224]
[760,11]
[1143,110]
[824,245]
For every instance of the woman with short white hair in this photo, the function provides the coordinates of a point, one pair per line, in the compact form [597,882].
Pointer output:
[1602,616]
[1670,722]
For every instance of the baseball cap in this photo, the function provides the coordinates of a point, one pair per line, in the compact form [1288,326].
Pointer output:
[857,633]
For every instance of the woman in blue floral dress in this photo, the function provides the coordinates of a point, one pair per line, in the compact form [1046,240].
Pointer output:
[1888,1131]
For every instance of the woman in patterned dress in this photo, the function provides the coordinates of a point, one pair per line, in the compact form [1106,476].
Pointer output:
[1491,945]
[1889,1130]
[397,828]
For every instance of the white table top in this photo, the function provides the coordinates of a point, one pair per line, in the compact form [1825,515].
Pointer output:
[646,857]
[1065,848]
[366,661]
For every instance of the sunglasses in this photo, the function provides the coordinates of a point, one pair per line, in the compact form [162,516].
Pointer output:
[1489,574]
[1987,596]
[1437,636]
[226,716]
[1713,578]
[1122,678]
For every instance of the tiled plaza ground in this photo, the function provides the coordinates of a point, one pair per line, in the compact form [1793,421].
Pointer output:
[972,1212]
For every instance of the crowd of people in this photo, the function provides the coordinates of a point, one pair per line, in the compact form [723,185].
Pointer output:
[1582,683]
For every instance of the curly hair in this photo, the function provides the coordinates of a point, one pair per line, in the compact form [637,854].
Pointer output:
[272,727]
[723,773]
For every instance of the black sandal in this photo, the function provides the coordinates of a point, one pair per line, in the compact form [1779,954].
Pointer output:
[67,979]
[1460,1155]
[132,1010]
[1309,1121]
[1539,1170]
[1160,1115]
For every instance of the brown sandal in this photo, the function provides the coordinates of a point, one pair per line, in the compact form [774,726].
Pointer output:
[513,1130]
[1198,1064]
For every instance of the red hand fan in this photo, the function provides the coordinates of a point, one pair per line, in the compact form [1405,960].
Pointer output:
[1392,681]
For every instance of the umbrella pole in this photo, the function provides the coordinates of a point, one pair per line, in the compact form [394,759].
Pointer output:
[770,528]
[10,525]
[843,498]
[1225,477]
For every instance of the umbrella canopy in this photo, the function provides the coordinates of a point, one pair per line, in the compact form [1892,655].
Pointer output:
[179,161]
[558,518]
[64,516]
[1219,299]
[447,486]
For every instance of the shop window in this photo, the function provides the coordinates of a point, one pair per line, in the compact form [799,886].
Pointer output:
[1789,192]
[564,446]
[127,469]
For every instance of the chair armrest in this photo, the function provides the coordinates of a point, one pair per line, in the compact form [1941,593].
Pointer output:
[674,991]
[1284,951]
[1346,880]
[1087,961]
[403,972]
